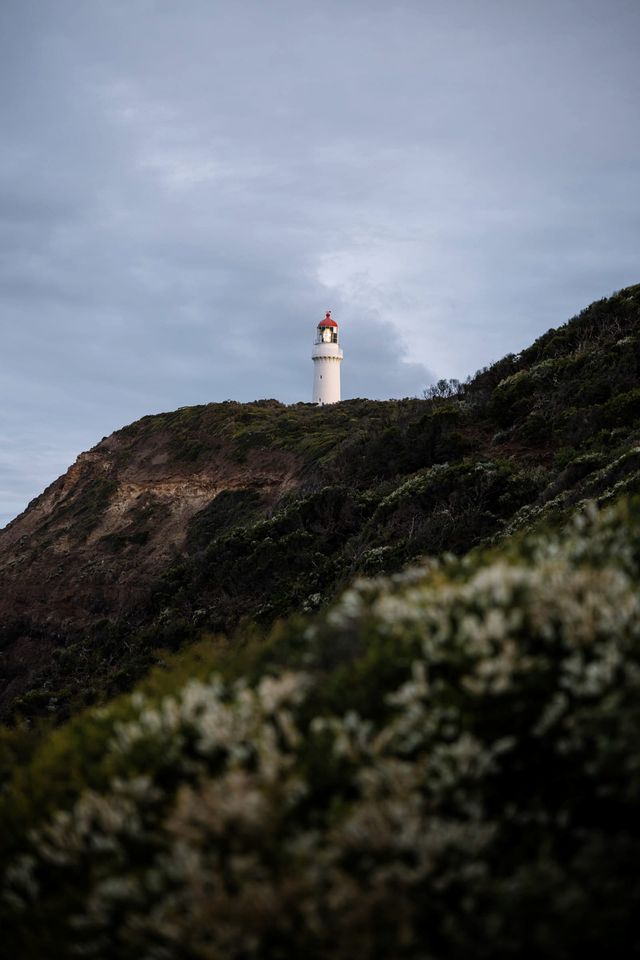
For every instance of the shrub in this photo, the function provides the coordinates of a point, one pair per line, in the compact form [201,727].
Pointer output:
[443,765]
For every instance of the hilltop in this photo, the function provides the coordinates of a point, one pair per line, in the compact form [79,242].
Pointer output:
[195,522]
[438,759]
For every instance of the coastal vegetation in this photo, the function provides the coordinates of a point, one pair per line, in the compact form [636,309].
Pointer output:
[444,763]
[366,487]
[380,698]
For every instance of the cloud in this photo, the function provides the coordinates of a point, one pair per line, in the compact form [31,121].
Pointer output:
[184,189]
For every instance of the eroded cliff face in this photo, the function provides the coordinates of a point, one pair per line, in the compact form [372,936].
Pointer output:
[57,559]
[94,543]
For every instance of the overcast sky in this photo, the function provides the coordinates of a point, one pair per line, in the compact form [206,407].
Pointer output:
[186,187]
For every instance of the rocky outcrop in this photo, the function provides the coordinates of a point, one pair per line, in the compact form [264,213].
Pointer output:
[95,539]
[94,543]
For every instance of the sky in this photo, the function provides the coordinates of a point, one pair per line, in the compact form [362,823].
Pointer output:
[186,187]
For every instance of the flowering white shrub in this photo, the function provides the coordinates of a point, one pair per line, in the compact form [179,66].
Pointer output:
[449,769]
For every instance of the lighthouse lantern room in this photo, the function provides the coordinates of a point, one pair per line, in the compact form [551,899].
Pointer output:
[327,357]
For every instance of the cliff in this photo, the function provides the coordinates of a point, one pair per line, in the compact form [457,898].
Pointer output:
[440,759]
[190,523]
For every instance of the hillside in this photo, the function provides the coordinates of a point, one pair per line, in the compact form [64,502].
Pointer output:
[442,765]
[194,523]
[436,760]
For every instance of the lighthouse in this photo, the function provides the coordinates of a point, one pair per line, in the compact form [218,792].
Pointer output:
[327,357]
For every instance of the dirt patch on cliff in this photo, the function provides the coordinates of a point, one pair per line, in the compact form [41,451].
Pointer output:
[94,543]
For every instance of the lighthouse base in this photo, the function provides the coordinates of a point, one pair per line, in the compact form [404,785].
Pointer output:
[326,380]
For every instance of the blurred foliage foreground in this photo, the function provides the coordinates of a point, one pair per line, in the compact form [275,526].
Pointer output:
[445,763]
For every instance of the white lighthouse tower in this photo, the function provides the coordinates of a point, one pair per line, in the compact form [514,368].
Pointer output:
[327,357]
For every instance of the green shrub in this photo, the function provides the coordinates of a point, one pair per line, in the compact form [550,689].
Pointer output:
[444,764]
[623,409]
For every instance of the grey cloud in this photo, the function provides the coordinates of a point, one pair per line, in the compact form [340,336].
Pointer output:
[185,188]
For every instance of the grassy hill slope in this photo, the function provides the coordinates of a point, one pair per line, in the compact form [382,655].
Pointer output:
[439,760]
[442,765]
[195,522]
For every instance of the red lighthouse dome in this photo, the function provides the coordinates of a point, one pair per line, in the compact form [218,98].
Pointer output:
[328,321]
